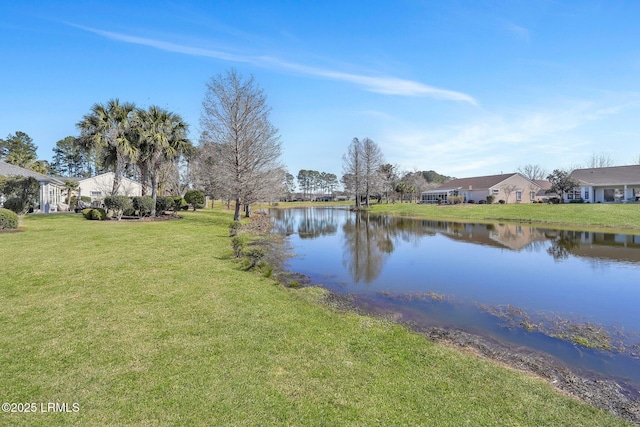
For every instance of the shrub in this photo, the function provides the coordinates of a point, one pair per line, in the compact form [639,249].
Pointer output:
[454,200]
[178,203]
[118,204]
[234,228]
[16,205]
[195,198]
[239,245]
[8,219]
[96,214]
[162,204]
[143,204]
[502,202]
[576,201]
[491,198]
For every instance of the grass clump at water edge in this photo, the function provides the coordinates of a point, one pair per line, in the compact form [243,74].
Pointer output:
[157,323]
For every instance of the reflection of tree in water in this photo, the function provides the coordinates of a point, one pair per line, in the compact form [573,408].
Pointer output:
[562,245]
[366,247]
[283,221]
[317,222]
[312,223]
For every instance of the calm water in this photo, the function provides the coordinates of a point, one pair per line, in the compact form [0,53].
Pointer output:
[516,283]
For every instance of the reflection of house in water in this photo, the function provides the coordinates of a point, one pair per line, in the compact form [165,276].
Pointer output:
[599,245]
[508,236]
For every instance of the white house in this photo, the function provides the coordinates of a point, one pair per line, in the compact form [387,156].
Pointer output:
[100,186]
[616,184]
[50,198]
[512,188]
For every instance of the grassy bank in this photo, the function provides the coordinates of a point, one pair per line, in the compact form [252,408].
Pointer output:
[156,324]
[610,216]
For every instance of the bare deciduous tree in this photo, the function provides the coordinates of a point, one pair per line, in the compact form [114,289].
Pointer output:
[372,159]
[235,116]
[533,172]
[599,160]
[353,169]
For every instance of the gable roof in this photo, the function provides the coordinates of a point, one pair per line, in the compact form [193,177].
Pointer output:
[477,182]
[7,169]
[614,175]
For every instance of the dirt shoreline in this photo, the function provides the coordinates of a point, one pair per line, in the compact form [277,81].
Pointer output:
[602,393]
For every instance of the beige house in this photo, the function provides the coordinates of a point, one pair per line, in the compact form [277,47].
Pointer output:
[616,184]
[51,188]
[511,188]
[100,186]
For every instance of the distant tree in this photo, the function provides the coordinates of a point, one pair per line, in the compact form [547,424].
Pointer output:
[599,160]
[304,181]
[70,158]
[330,182]
[388,176]
[18,149]
[533,172]
[415,184]
[236,117]
[289,185]
[432,177]
[353,170]
[561,183]
[372,159]
[107,128]
[637,160]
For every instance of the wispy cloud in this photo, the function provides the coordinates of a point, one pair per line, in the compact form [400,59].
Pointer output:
[497,142]
[380,84]
[518,31]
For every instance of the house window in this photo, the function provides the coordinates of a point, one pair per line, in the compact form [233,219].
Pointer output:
[519,196]
[96,194]
[573,195]
[586,194]
[495,191]
[532,195]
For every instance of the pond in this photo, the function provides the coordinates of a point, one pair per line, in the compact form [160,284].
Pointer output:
[571,294]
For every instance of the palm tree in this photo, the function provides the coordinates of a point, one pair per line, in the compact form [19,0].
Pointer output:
[70,186]
[161,137]
[107,127]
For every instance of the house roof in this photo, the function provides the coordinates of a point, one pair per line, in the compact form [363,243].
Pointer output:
[614,175]
[124,178]
[475,183]
[7,169]
[544,184]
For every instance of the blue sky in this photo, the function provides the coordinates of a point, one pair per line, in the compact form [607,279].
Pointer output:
[464,88]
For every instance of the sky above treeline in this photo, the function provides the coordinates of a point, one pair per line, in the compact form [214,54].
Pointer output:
[464,88]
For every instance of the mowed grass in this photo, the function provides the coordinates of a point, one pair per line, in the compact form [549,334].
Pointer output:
[156,324]
[611,216]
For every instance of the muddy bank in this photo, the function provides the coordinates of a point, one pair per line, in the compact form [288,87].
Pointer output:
[616,398]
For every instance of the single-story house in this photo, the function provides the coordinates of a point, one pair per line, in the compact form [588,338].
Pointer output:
[51,188]
[100,186]
[512,188]
[615,184]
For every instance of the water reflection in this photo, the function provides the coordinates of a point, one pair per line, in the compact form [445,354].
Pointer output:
[579,281]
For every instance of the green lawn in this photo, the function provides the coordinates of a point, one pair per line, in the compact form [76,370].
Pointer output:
[155,324]
[612,216]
